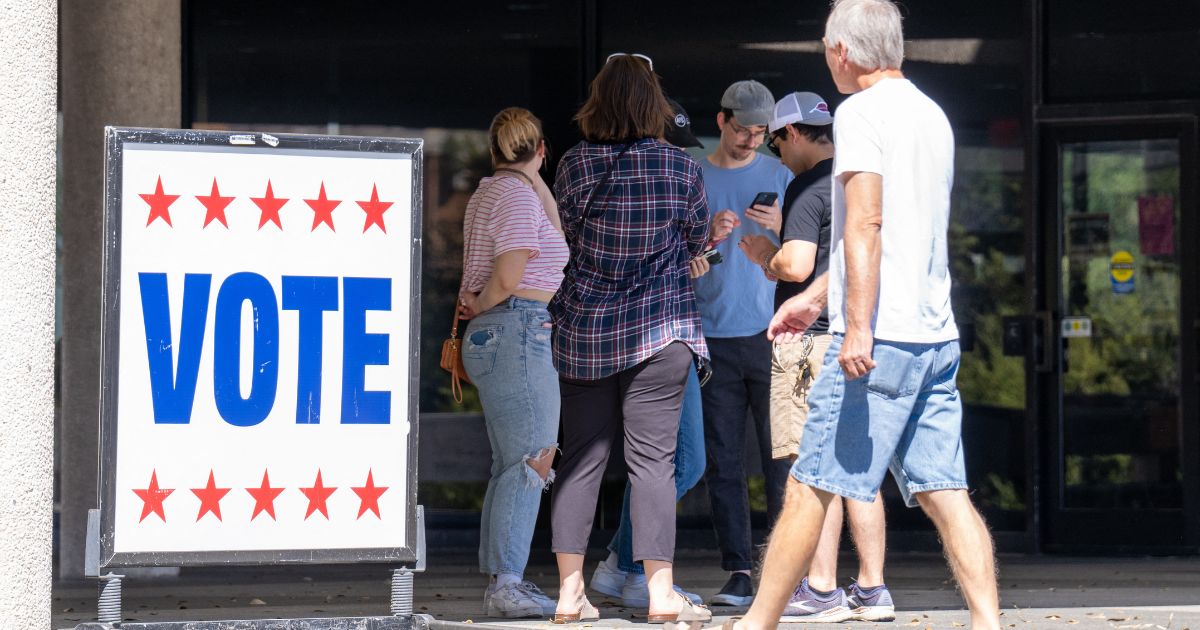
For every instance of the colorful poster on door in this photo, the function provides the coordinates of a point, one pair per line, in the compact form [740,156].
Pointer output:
[1122,273]
[1156,225]
[259,347]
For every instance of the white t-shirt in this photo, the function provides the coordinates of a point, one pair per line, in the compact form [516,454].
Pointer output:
[893,129]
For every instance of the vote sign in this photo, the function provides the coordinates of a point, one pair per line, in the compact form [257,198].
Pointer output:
[260,348]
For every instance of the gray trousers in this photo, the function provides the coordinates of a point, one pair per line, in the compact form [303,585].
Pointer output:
[645,402]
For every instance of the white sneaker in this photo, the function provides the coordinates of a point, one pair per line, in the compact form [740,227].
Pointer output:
[609,580]
[636,594]
[548,605]
[511,601]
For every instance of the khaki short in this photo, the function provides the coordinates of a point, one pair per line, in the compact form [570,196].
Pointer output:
[790,384]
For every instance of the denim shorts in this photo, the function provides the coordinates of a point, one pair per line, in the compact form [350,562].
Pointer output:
[904,415]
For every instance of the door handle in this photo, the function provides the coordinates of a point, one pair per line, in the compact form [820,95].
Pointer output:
[1043,340]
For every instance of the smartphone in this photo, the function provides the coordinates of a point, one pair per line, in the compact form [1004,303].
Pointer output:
[712,256]
[764,199]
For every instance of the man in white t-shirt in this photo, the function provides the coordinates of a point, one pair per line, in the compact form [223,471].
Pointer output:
[886,395]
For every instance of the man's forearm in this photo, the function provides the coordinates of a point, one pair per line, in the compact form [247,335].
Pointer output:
[817,293]
[864,222]
[862,277]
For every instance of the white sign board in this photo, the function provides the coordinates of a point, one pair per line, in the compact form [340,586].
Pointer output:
[260,346]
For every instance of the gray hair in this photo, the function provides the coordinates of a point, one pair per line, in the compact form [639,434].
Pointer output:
[870,30]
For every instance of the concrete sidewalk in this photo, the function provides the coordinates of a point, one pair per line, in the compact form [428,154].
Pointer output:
[1036,592]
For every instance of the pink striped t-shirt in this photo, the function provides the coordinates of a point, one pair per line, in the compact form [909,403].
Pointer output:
[504,214]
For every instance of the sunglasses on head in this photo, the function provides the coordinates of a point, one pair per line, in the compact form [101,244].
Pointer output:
[649,61]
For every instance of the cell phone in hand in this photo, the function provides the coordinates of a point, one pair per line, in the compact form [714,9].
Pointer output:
[764,199]
[712,256]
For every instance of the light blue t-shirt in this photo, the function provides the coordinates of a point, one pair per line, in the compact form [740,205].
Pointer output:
[735,298]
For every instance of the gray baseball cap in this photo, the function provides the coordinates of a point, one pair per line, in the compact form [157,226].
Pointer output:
[806,108]
[750,101]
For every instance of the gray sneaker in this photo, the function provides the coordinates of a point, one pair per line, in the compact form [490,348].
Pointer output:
[548,605]
[806,605]
[511,601]
[871,604]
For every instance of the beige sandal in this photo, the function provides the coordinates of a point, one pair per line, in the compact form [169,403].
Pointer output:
[688,612]
[587,612]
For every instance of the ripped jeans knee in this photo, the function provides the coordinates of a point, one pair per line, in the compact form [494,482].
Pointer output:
[538,472]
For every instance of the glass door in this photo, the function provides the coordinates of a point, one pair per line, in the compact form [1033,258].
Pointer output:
[1118,278]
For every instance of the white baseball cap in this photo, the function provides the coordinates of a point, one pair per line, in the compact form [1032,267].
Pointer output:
[806,108]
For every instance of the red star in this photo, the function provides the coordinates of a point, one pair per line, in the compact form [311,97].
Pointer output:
[159,203]
[215,204]
[264,497]
[369,496]
[153,498]
[316,497]
[210,498]
[269,207]
[322,209]
[375,209]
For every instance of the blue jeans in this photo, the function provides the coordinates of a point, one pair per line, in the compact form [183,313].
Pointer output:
[506,352]
[689,468]
[905,415]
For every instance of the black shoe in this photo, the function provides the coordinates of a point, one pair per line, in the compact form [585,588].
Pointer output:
[738,591]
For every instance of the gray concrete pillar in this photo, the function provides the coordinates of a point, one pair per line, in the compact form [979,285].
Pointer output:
[28,122]
[120,66]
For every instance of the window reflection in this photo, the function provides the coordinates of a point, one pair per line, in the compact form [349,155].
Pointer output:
[968,57]
[440,73]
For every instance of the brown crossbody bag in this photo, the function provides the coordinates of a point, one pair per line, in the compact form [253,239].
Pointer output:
[452,360]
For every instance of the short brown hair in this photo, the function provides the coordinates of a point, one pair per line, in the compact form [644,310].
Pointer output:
[626,103]
[514,136]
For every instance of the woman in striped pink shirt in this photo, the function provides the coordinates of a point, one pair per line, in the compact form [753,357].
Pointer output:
[513,259]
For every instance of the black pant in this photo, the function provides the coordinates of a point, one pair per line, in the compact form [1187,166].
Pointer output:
[741,380]
[645,400]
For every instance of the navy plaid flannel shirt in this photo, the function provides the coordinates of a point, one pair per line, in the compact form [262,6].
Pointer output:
[626,294]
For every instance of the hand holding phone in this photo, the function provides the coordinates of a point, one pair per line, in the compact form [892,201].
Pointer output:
[712,256]
[772,217]
[764,199]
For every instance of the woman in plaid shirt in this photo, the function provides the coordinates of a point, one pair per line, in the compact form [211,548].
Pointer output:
[626,328]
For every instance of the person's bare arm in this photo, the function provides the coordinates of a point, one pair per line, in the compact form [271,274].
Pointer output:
[863,248]
[799,312]
[506,275]
[548,203]
[793,262]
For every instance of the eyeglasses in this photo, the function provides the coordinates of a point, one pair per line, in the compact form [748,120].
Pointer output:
[649,61]
[746,132]
[773,138]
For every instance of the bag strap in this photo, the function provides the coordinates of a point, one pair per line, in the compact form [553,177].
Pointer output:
[603,180]
[456,390]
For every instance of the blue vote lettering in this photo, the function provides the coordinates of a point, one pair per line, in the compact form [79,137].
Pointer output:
[173,392]
[311,297]
[173,384]
[360,349]
[227,349]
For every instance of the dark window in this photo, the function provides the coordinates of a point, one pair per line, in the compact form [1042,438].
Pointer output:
[970,58]
[1106,51]
[437,71]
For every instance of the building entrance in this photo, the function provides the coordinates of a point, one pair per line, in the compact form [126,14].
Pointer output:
[1119,363]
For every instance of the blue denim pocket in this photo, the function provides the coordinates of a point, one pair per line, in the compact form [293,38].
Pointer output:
[896,372]
[479,349]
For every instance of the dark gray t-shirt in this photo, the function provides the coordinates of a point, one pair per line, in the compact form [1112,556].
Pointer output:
[806,217]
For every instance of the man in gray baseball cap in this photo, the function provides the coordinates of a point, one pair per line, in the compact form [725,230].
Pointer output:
[750,101]
[736,303]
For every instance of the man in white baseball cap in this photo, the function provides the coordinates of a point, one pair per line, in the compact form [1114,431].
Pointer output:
[801,134]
